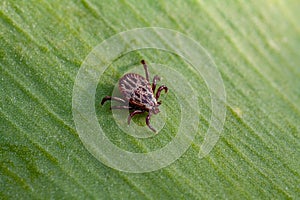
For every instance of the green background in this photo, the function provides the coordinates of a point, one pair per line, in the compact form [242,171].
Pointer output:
[255,46]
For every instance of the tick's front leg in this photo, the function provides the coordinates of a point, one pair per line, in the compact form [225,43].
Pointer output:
[161,88]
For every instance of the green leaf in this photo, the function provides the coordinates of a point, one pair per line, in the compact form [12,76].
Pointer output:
[255,46]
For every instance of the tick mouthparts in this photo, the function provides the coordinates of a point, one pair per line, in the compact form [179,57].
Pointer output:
[155,110]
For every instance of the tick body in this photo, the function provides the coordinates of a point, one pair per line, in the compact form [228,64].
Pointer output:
[139,95]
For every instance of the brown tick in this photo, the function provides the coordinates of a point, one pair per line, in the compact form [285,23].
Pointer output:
[138,95]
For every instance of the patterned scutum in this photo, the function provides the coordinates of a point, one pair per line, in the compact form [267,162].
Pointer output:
[137,90]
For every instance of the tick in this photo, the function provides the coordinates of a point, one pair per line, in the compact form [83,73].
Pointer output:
[139,95]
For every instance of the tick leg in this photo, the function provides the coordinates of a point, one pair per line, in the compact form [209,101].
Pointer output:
[121,107]
[136,112]
[161,88]
[146,69]
[112,98]
[148,122]
[155,79]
